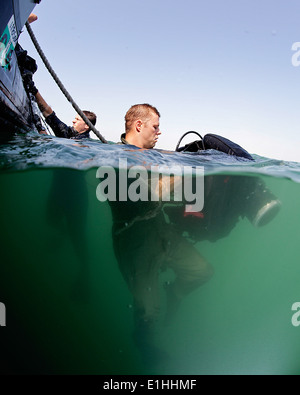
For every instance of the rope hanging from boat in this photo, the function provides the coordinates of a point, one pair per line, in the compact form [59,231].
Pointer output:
[60,85]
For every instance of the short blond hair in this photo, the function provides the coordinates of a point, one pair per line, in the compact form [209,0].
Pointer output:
[139,111]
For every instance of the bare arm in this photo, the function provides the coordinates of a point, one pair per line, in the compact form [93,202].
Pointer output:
[45,109]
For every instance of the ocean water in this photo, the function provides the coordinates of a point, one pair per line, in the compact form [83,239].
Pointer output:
[68,307]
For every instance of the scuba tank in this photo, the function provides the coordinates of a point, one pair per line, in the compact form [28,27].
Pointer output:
[213,141]
[227,198]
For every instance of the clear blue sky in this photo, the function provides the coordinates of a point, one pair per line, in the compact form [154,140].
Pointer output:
[219,66]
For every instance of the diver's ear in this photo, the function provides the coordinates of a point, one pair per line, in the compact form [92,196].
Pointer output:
[138,125]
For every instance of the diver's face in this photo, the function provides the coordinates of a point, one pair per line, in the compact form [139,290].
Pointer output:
[150,131]
[79,125]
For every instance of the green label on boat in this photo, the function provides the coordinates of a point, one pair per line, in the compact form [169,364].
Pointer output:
[8,42]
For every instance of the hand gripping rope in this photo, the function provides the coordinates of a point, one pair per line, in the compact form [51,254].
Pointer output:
[60,85]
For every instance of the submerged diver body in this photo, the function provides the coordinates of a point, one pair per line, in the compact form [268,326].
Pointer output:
[149,237]
[145,245]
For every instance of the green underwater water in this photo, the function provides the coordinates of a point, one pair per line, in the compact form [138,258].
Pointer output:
[66,315]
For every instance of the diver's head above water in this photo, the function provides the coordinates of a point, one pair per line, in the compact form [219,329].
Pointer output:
[80,126]
[142,126]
